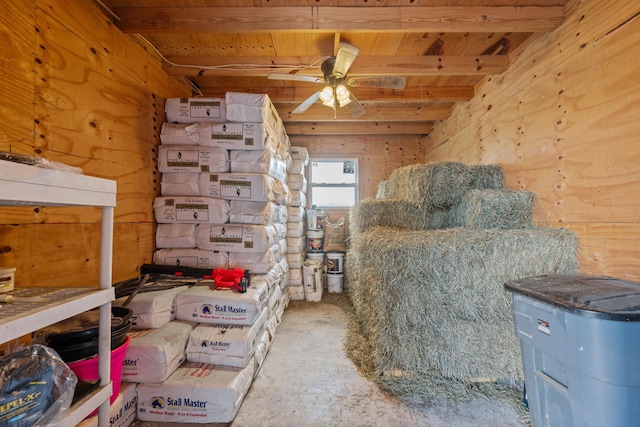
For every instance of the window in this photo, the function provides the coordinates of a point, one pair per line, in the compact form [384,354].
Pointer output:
[334,183]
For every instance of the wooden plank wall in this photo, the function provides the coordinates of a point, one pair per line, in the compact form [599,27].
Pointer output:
[75,90]
[563,123]
[377,157]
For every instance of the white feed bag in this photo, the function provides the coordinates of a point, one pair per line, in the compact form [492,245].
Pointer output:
[176,235]
[312,279]
[297,167]
[295,277]
[296,292]
[257,263]
[250,107]
[179,133]
[196,393]
[262,348]
[263,162]
[236,237]
[192,158]
[301,154]
[255,187]
[191,257]
[198,210]
[296,229]
[227,345]
[238,136]
[204,304]
[271,279]
[122,412]
[297,182]
[295,213]
[295,245]
[274,300]
[281,230]
[154,309]
[284,212]
[153,354]
[259,213]
[296,260]
[194,110]
[298,198]
[180,184]
[282,247]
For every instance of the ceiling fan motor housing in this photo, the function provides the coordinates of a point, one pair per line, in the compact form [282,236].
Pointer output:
[327,71]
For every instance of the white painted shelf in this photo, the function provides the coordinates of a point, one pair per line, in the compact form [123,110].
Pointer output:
[26,185]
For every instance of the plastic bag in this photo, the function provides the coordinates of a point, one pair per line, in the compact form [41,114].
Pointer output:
[39,162]
[36,387]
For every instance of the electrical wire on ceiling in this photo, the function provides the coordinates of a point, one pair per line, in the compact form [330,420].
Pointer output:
[236,67]
[231,67]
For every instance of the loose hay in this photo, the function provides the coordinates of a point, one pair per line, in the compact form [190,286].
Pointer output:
[432,185]
[504,209]
[431,304]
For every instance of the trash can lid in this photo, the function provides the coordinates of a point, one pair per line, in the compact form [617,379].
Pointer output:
[602,297]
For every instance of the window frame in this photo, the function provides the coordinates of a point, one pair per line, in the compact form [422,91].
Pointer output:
[355,185]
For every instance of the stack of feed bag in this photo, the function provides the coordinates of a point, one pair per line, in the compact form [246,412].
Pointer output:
[224,334]
[296,225]
[181,160]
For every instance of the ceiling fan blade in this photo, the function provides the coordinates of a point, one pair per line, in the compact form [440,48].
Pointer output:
[384,82]
[306,103]
[296,77]
[346,55]
[355,107]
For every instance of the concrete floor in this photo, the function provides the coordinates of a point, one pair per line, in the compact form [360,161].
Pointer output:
[306,380]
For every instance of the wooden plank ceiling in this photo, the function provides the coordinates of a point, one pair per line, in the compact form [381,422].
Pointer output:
[442,47]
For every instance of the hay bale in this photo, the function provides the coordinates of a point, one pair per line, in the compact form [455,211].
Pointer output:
[502,209]
[490,177]
[395,213]
[382,190]
[418,294]
[430,185]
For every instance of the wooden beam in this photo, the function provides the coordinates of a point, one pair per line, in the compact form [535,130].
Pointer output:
[305,18]
[363,65]
[299,94]
[376,112]
[358,128]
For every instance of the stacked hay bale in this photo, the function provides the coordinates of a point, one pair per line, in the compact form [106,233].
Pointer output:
[426,268]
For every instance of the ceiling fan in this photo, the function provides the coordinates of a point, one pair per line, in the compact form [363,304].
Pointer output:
[335,92]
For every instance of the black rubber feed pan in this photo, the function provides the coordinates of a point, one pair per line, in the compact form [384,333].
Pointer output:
[82,329]
[78,350]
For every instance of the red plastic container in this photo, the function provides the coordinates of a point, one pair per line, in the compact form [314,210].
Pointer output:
[87,369]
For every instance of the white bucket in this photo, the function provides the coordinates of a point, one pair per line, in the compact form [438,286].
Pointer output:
[313,286]
[335,262]
[316,256]
[334,283]
[6,279]
[314,219]
[315,240]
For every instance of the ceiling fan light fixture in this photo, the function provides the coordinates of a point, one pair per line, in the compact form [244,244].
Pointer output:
[343,95]
[327,97]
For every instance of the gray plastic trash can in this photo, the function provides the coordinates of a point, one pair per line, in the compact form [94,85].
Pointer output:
[580,341]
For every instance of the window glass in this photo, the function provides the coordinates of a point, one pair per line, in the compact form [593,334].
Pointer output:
[334,183]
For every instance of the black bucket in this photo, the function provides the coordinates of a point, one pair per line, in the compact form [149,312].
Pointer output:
[82,342]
